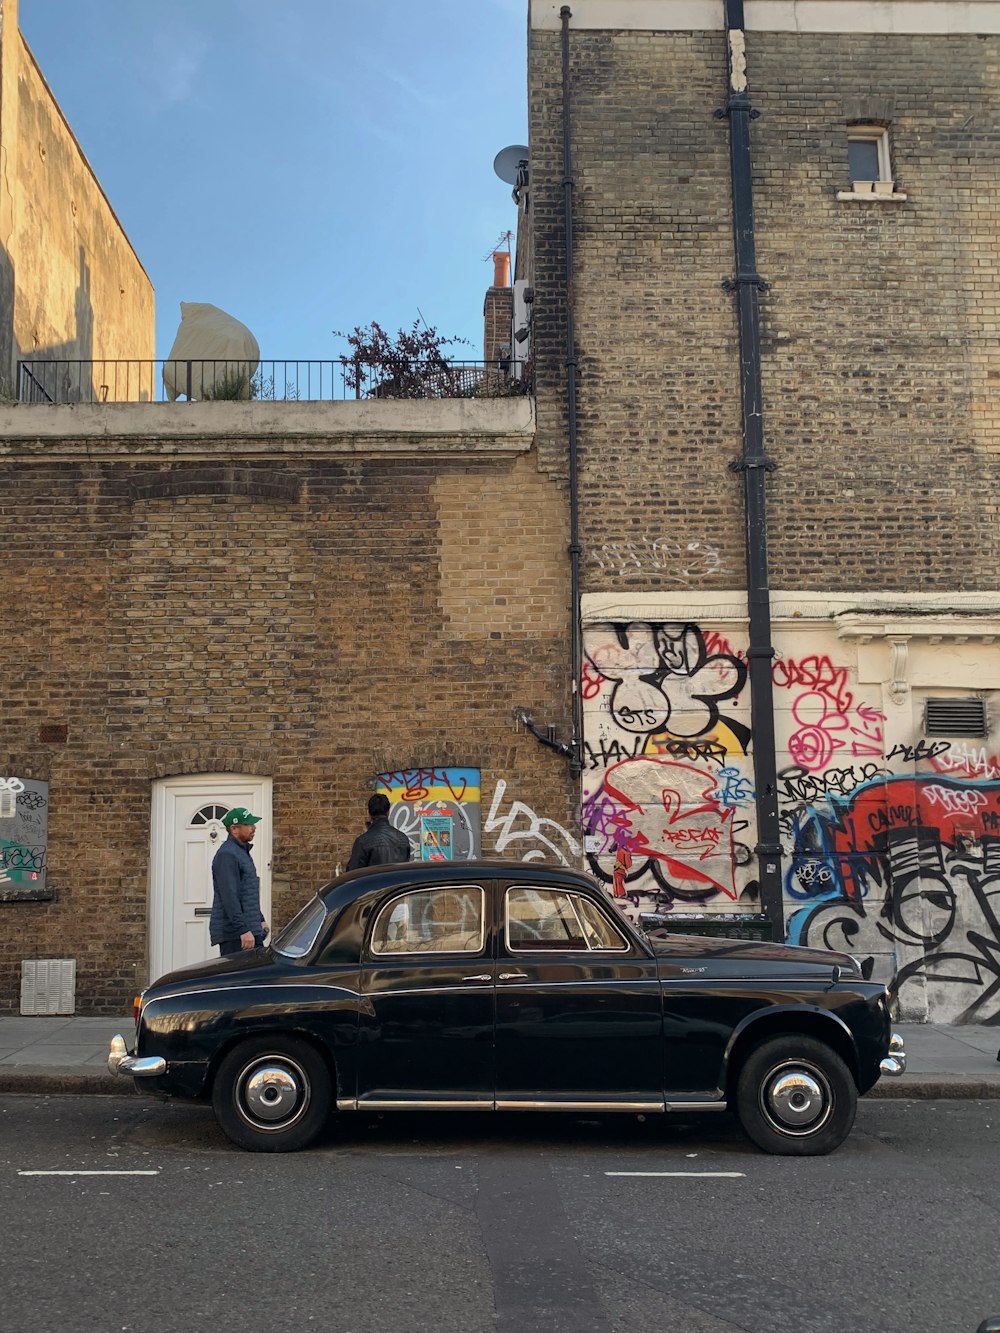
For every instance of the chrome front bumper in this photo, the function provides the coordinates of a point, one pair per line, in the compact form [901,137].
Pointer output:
[120,1062]
[894,1063]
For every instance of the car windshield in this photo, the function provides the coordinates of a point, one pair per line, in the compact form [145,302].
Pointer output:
[299,936]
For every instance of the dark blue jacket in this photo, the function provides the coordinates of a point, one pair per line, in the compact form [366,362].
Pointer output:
[236,900]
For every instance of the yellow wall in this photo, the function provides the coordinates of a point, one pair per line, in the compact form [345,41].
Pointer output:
[75,289]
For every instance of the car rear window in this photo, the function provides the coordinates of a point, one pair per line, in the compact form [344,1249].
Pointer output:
[438,920]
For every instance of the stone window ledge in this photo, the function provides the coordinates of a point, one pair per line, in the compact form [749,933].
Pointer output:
[896,197]
[11,895]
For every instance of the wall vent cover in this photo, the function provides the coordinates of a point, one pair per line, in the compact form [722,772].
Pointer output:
[955,717]
[48,985]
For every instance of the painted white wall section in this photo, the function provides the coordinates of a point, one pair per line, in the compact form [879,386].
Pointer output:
[943,17]
[890,833]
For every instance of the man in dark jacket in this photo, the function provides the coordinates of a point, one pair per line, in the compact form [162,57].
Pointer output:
[382,844]
[236,922]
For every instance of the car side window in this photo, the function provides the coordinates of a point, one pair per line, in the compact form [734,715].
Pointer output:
[554,919]
[601,934]
[439,920]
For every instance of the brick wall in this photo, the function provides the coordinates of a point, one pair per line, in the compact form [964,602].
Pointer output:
[313,619]
[498,311]
[879,369]
[878,334]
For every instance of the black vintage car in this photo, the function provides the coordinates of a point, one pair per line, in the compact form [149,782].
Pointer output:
[500,985]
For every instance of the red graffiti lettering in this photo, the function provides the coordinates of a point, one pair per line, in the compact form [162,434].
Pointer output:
[817,674]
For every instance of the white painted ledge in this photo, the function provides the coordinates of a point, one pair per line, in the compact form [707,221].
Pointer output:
[893,198]
[861,615]
[398,426]
[929,17]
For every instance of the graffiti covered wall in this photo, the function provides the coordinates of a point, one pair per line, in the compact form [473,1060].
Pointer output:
[439,811]
[24,820]
[890,838]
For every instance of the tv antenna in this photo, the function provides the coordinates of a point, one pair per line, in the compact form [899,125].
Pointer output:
[504,238]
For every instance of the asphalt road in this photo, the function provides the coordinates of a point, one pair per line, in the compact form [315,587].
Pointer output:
[506,1224]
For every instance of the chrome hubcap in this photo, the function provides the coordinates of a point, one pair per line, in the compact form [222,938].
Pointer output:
[272,1093]
[796,1099]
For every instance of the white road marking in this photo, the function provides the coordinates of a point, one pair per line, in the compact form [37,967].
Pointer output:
[715,1175]
[88,1173]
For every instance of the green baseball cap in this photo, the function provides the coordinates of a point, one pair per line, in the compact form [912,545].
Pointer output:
[239,815]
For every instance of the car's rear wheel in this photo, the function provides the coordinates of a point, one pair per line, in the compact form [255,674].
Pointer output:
[796,1096]
[272,1094]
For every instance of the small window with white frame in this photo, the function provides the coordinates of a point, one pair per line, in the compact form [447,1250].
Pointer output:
[868,159]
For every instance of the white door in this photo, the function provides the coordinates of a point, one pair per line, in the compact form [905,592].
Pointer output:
[186,833]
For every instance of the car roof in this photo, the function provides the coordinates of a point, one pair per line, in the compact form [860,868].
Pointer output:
[356,883]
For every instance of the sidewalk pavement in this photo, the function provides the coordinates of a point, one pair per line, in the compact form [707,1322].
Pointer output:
[69,1055]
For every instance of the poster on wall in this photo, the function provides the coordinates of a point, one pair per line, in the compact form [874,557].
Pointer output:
[24,825]
[437,809]
[436,837]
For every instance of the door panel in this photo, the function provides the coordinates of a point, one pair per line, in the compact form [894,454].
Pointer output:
[577,1025]
[426,1034]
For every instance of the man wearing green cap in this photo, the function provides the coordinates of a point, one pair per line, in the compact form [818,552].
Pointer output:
[236,922]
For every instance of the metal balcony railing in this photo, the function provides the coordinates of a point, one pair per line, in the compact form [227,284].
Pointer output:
[41,381]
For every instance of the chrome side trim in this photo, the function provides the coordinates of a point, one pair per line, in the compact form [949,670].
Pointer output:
[458,988]
[610,981]
[240,990]
[394,1104]
[716,1105]
[504,1104]
[508,985]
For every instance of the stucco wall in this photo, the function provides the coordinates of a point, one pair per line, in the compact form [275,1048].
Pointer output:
[76,289]
[890,837]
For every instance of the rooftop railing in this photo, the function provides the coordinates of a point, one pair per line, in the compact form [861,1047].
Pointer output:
[41,381]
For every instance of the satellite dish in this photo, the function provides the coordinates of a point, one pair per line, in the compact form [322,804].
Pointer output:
[509,163]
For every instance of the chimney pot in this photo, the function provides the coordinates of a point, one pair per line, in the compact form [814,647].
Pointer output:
[501,268]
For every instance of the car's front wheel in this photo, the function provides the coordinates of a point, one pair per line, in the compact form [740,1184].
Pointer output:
[796,1096]
[272,1094]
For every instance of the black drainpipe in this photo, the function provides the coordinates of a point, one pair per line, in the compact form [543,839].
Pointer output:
[753,464]
[576,743]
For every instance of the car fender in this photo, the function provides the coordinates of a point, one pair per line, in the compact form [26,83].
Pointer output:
[809,1018]
[326,1015]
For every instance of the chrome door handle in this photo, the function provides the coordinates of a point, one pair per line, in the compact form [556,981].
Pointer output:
[482,976]
[513,976]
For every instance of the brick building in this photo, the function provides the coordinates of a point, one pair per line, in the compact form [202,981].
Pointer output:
[278,605]
[71,286]
[285,604]
[860,401]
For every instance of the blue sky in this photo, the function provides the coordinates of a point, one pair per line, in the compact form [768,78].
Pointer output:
[307,165]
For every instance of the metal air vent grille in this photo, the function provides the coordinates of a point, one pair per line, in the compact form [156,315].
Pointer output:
[48,985]
[955,717]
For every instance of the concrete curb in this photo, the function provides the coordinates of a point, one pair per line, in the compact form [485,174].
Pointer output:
[39,1080]
[936,1087]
